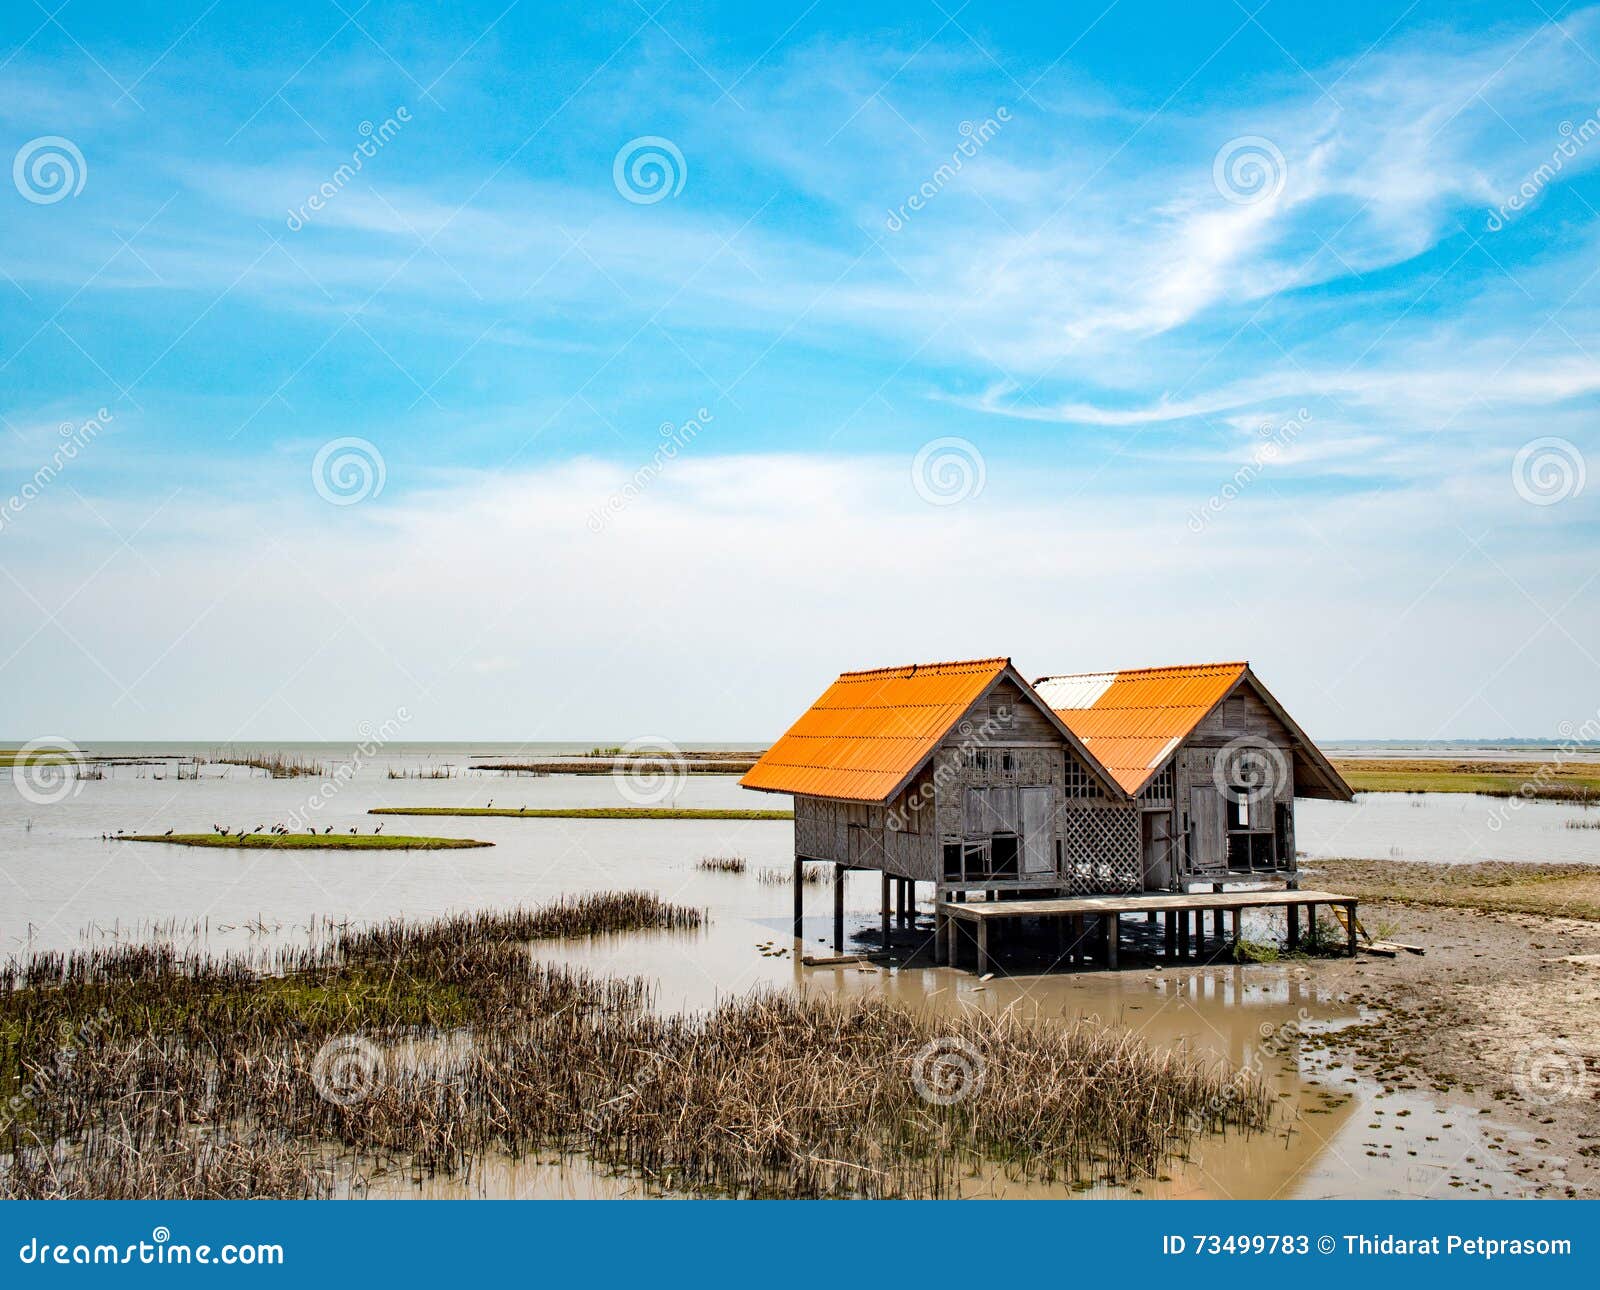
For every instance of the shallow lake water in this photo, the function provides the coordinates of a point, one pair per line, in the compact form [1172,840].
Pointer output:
[64,885]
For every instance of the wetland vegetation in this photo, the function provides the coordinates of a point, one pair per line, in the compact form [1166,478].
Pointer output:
[428,1048]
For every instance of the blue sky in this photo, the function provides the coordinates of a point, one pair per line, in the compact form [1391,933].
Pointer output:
[1235,332]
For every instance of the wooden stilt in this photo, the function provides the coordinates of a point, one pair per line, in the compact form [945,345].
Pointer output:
[1113,927]
[1077,938]
[1238,922]
[1293,938]
[1183,933]
[1350,928]
[883,922]
[1172,934]
[939,952]
[838,908]
[799,898]
[983,946]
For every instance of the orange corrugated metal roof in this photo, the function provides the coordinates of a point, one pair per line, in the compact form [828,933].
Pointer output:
[1132,720]
[870,730]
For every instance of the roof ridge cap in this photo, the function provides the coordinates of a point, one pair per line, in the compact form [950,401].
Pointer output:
[912,669]
[1135,671]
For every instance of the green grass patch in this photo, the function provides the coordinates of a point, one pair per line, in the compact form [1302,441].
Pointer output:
[588,812]
[306,841]
[1570,782]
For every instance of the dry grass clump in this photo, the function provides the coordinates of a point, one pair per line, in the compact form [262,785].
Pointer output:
[279,765]
[811,875]
[597,914]
[142,1072]
[723,864]
[110,1167]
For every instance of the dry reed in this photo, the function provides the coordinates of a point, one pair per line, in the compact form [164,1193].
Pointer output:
[142,1071]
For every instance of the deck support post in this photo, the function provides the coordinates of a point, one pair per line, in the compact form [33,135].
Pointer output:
[1171,934]
[1293,913]
[1113,932]
[983,946]
[938,936]
[1183,933]
[1350,928]
[1077,938]
[884,909]
[838,908]
[1238,922]
[799,898]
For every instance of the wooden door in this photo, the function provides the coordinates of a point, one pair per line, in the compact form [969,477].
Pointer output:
[1038,837]
[1156,835]
[1208,824]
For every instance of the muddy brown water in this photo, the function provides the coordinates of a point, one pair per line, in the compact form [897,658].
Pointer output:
[1337,1134]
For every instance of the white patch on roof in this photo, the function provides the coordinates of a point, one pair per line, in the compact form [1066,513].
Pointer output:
[1070,693]
[1166,748]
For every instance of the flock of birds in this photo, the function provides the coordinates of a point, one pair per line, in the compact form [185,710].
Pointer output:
[279,829]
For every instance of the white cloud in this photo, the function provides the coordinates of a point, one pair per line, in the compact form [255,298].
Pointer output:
[709,607]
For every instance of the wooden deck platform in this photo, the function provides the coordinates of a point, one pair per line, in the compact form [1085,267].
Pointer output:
[1178,909]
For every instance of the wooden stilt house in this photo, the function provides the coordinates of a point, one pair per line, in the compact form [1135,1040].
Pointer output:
[966,776]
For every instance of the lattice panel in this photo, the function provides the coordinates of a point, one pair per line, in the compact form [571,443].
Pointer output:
[1102,851]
